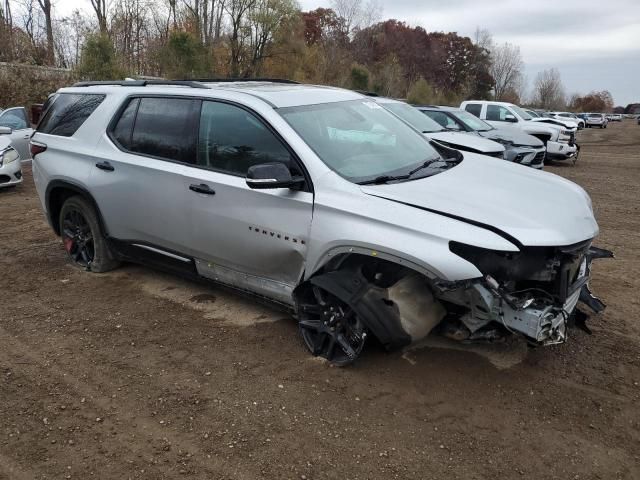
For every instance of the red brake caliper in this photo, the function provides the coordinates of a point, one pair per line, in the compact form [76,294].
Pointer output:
[68,244]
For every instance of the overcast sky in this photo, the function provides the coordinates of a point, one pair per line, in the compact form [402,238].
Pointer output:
[594,43]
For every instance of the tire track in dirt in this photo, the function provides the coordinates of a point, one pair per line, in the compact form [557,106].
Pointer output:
[146,426]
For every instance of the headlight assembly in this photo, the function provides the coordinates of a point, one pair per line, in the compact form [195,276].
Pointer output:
[8,155]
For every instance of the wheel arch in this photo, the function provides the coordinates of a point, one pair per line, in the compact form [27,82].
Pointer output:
[58,191]
[336,256]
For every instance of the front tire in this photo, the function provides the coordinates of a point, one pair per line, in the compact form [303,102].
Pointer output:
[83,238]
[330,328]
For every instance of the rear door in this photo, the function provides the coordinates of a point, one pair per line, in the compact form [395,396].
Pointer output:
[138,178]
[255,239]
[16,119]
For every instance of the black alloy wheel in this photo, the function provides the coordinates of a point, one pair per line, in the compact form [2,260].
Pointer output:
[78,238]
[330,327]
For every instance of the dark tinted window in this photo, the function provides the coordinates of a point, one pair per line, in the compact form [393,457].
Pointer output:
[68,112]
[232,140]
[166,128]
[497,113]
[15,119]
[474,108]
[124,128]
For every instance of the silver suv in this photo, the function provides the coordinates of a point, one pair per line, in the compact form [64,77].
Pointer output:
[320,200]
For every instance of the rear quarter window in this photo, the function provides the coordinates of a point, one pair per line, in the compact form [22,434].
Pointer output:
[68,112]
[474,109]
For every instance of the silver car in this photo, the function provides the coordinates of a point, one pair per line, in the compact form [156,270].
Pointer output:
[14,124]
[320,200]
[10,169]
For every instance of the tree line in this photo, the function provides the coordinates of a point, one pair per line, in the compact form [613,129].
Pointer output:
[347,45]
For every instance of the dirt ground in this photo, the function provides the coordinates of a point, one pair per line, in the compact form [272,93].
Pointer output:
[136,374]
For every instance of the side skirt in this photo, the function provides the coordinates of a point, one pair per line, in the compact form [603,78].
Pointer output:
[192,269]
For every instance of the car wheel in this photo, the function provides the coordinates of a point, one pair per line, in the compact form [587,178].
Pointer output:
[83,238]
[329,327]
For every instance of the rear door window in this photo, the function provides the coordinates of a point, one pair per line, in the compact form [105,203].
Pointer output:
[474,108]
[165,128]
[68,112]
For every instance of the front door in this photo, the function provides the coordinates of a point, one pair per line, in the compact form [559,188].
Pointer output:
[255,239]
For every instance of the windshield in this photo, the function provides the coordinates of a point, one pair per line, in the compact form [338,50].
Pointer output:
[413,117]
[471,121]
[360,140]
[594,115]
[524,115]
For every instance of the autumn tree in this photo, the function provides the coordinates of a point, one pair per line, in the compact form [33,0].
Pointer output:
[359,77]
[595,101]
[184,57]
[421,93]
[548,91]
[506,70]
[45,6]
[98,60]
[100,9]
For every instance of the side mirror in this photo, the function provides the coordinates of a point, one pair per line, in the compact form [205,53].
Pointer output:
[510,118]
[5,131]
[271,175]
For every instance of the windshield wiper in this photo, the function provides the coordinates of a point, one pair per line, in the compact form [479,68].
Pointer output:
[384,179]
[392,178]
[425,165]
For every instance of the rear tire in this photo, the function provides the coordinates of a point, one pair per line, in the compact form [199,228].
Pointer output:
[83,238]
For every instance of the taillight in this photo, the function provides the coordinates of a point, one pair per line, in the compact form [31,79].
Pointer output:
[36,148]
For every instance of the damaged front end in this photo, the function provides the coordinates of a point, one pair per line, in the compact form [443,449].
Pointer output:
[533,292]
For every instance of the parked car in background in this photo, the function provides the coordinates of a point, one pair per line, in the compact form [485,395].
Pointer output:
[559,141]
[10,168]
[547,117]
[597,120]
[615,117]
[321,200]
[14,123]
[520,147]
[454,139]
[569,116]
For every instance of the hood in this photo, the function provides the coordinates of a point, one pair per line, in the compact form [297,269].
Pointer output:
[466,141]
[533,207]
[514,136]
[555,121]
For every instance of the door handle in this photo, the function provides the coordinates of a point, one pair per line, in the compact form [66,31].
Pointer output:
[202,188]
[105,166]
[27,137]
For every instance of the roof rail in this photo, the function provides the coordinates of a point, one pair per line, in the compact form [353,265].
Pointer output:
[142,83]
[230,80]
[367,93]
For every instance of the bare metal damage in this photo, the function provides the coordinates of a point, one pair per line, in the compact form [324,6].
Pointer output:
[537,304]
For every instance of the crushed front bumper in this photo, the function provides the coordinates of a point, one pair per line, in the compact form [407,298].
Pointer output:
[561,151]
[537,316]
